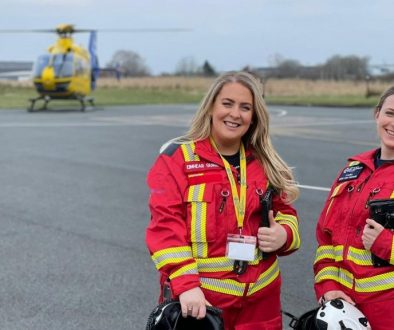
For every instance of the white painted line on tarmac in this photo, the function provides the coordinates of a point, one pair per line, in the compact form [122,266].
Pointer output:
[314,187]
[278,112]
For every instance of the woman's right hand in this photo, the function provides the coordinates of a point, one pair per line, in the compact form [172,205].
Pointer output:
[334,294]
[193,303]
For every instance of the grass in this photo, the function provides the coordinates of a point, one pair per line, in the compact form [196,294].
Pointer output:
[172,90]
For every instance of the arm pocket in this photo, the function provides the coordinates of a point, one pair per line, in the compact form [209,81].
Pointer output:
[201,220]
[336,208]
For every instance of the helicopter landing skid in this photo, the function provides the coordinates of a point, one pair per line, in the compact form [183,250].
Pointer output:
[82,99]
[34,100]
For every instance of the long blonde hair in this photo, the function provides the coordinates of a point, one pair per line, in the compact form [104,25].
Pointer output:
[278,173]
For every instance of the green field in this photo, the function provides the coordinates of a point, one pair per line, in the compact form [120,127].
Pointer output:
[16,97]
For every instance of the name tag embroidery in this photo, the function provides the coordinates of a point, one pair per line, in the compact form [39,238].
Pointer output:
[191,167]
[350,173]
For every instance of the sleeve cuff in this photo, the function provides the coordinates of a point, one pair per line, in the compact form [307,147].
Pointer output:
[184,283]
[383,245]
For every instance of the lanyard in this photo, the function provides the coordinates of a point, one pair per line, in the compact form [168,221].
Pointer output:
[239,201]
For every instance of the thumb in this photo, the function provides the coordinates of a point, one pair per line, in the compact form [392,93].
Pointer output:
[371,222]
[271,218]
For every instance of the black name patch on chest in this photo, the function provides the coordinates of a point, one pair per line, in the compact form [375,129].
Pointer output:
[350,173]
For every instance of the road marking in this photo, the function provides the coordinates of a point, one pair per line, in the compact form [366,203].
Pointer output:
[313,187]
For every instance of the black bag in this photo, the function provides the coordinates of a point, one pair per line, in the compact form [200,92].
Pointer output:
[168,316]
[382,211]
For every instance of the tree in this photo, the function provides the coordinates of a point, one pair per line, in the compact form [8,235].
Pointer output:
[346,67]
[129,64]
[187,66]
[208,70]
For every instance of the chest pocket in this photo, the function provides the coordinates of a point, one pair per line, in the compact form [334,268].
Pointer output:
[382,190]
[201,220]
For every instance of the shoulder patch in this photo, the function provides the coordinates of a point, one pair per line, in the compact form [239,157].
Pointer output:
[351,172]
[169,149]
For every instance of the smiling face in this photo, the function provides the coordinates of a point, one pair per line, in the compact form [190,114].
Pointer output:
[385,127]
[232,114]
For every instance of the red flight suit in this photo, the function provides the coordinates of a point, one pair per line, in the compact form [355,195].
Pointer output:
[192,213]
[342,262]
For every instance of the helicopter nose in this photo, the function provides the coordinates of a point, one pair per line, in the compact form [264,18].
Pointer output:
[48,78]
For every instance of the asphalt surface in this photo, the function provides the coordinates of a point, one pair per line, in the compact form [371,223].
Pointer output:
[73,207]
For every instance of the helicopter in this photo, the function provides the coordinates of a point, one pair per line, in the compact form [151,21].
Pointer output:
[69,71]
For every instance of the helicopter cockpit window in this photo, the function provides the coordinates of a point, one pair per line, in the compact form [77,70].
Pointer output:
[40,64]
[63,64]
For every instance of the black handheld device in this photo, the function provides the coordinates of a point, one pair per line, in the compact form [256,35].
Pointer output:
[382,211]
[266,206]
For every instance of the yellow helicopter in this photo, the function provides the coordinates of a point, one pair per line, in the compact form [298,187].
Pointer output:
[70,71]
[67,71]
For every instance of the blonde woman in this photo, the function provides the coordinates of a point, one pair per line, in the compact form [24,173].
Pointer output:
[205,234]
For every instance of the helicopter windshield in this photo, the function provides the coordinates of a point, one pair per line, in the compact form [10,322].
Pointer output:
[63,64]
[40,64]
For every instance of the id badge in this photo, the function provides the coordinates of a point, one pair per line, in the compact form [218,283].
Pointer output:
[240,247]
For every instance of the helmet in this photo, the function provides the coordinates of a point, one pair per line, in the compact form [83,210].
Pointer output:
[335,314]
[168,316]
[339,314]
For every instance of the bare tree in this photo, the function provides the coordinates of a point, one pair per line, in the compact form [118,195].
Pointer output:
[129,64]
[187,66]
[346,67]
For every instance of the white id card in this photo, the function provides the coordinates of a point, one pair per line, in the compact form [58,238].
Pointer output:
[240,247]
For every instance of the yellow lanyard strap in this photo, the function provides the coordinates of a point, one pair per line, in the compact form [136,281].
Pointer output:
[239,202]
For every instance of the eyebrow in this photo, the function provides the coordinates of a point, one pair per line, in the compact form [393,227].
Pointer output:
[231,100]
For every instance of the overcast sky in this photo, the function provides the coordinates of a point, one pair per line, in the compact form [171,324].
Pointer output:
[230,34]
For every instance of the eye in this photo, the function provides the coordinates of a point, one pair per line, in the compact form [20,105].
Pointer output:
[227,104]
[246,107]
[389,113]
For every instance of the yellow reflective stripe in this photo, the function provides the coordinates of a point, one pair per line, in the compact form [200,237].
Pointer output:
[222,264]
[227,286]
[188,152]
[329,252]
[359,256]
[292,222]
[392,195]
[334,193]
[353,163]
[185,270]
[339,275]
[171,255]
[392,253]
[265,279]
[198,221]
[232,287]
[375,283]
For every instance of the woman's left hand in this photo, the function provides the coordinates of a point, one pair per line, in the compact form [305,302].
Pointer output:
[271,238]
[371,231]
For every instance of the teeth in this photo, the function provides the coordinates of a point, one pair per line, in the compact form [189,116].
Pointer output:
[389,132]
[231,124]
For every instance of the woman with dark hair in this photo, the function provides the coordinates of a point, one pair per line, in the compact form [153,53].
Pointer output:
[205,234]
[350,240]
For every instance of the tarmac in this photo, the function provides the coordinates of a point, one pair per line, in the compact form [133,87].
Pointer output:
[73,207]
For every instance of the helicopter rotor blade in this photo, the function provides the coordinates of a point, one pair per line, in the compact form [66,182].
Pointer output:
[28,31]
[147,30]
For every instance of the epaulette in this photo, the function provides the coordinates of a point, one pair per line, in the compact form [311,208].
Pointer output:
[170,149]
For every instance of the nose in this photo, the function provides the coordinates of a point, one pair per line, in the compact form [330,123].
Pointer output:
[235,111]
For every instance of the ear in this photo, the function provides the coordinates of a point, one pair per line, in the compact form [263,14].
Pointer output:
[377,112]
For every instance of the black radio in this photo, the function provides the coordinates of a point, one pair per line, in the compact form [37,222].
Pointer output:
[382,211]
